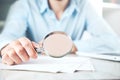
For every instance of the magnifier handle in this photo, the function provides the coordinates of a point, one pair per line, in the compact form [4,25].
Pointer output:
[39,50]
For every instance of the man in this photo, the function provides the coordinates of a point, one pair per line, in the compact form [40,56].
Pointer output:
[31,20]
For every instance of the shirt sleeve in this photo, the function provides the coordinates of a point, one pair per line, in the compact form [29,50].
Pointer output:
[16,23]
[103,38]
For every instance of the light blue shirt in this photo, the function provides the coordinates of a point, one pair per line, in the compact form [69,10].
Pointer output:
[34,19]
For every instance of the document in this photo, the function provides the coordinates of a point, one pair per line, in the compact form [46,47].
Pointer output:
[67,64]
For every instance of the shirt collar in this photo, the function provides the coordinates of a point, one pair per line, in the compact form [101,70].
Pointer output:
[44,5]
[72,8]
[75,5]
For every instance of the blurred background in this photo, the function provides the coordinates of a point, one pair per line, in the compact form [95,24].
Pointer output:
[4,8]
[109,9]
[113,1]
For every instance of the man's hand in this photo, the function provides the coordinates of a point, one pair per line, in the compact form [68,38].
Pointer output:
[18,51]
[74,49]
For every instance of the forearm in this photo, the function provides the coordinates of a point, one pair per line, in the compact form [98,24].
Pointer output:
[99,44]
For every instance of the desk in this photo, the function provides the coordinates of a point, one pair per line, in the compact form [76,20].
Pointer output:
[104,70]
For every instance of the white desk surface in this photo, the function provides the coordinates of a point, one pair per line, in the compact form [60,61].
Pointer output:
[104,70]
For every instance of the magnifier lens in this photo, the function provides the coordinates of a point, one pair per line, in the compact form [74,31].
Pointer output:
[57,45]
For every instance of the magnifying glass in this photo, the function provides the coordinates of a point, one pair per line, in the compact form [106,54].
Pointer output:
[56,44]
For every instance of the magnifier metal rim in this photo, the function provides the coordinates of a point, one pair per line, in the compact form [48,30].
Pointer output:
[52,33]
[56,32]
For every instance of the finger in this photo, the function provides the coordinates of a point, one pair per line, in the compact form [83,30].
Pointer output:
[13,55]
[21,52]
[35,45]
[28,47]
[4,49]
[74,49]
[41,43]
[7,60]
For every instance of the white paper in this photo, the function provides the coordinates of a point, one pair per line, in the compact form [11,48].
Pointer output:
[67,64]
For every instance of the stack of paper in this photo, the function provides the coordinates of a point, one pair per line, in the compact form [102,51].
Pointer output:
[67,64]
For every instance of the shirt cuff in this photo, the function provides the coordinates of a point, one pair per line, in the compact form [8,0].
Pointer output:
[2,44]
